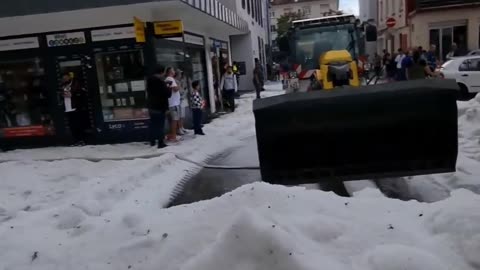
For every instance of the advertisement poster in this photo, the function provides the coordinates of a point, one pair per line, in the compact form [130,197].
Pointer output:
[30,131]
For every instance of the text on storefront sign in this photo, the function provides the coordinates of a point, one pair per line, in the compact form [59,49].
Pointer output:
[169,28]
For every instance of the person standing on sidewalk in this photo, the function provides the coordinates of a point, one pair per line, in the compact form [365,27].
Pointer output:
[173,104]
[229,87]
[197,106]
[158,94]
[182,84]
[258,77]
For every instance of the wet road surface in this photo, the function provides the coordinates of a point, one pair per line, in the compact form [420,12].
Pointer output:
[212,183]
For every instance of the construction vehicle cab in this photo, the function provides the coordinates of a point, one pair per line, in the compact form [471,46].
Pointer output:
[323,53]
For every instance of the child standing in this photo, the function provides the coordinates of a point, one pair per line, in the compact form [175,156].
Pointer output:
[197,107]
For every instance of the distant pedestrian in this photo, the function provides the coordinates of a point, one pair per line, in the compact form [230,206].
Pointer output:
[183,90]
[173,104]
[377,64]
[75,99]
[197,108]
[229,87]
[258,77]
[390,67]
[398,61]
[454,52]
[157,102]
[432,58]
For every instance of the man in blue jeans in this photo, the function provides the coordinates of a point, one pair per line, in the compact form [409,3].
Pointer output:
[158,94]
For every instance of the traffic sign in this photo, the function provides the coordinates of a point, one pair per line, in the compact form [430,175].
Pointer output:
[391,22]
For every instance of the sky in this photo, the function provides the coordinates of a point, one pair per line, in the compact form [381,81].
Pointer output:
[349,6]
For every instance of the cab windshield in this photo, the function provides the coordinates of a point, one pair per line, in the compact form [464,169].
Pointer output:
[311,43]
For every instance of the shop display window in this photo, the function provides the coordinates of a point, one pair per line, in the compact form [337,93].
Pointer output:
[122,86]
[24,103]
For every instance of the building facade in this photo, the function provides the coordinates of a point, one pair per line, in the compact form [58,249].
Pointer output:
[443,22]
[398,36]
[109,52]
[309,9]
[369,13]
[368,10]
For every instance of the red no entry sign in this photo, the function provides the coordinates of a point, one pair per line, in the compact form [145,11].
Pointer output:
[391,22]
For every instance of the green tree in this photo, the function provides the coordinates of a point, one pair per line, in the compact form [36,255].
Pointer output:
[285,22]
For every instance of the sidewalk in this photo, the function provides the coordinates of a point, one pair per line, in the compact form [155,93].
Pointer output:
[96,179]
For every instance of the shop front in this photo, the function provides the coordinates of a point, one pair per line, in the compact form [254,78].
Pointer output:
[27,106]
[220,56]
[106,63]
[183,51]
[118,61]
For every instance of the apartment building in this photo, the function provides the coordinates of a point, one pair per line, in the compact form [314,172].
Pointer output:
[310,9]
[109,46]
[368,10]
[443,22]
[392,38]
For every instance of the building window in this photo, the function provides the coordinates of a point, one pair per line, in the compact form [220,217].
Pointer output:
[122,85]
[273,28]
[261,13]
[381,11]
[444,37]
[307,10]
[243,4]
[324,7]
[248,6]
[287,10]
[24,100]
[272,14]
[254,8]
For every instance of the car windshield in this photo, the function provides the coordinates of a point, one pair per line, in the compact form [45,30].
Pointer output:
[311,43]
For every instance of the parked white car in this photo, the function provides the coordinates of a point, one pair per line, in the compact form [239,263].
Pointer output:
[474,52]
[466,71]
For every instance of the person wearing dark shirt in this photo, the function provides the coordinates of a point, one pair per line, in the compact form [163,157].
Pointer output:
[158,94]
[432,58]
[405,63]
[76,108]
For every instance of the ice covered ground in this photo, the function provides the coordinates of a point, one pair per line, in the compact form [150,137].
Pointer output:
[74,213]
[437,187]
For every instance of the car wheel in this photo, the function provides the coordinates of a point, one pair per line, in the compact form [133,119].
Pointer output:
[464,95]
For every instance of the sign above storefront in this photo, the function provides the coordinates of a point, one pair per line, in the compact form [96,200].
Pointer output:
[189,39]
[169,29]
[19,44]
[139,27]
[113,34]
[66,39]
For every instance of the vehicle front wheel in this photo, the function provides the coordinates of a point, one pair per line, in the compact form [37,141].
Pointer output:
[464,95]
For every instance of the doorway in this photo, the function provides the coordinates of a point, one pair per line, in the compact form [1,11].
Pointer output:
[78,66]
[444,37]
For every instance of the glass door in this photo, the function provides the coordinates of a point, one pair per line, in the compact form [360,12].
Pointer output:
[447,40]
[444,37]
[77,68]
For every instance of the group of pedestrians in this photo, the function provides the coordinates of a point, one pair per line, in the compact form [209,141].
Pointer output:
[167,98]
[414,64]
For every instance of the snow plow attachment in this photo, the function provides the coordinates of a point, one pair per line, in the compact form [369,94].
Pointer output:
[370,132]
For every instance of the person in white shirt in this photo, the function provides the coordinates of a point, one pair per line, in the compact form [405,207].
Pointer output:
[229,87]
[173,104]
[398,61]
